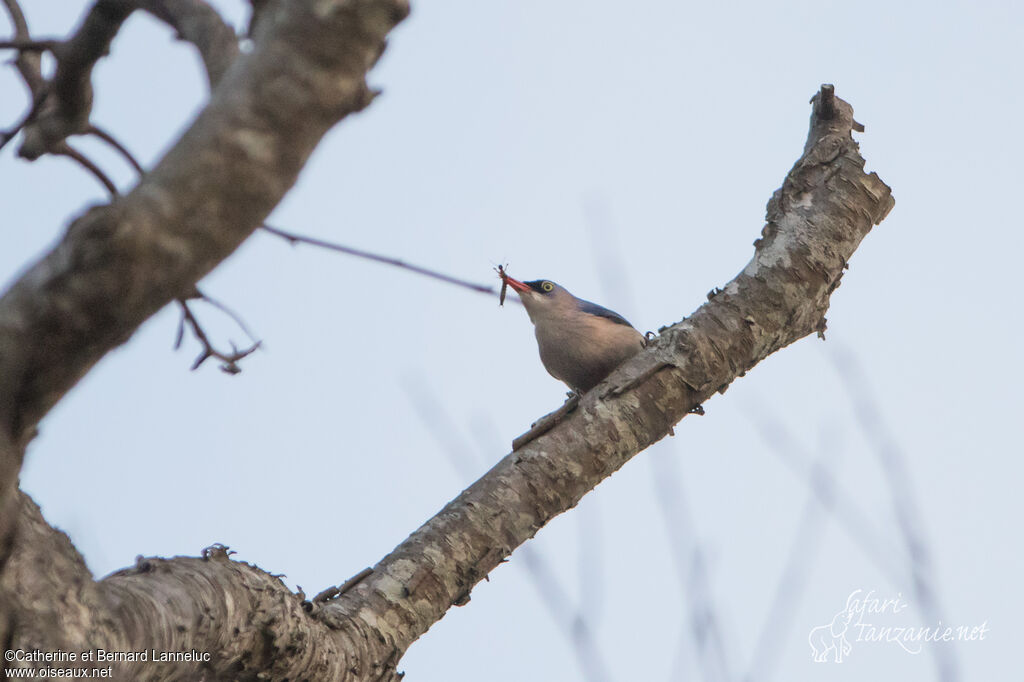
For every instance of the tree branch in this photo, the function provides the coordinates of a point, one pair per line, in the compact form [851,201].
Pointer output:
[65,149]
[229,361]
[63,105]
[249,622]
[27,61]
[118,147]
[29,45]
[29,65]
[68,102]
[387,260]
[198,23]
[119,264]
[825,207]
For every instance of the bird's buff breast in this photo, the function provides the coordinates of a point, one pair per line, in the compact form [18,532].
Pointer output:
[584,353]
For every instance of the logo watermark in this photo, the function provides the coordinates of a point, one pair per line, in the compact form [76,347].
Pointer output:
[867,618]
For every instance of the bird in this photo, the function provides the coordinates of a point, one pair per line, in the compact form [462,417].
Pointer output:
[580,342]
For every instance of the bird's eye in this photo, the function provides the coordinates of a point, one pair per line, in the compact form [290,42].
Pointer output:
[547,286]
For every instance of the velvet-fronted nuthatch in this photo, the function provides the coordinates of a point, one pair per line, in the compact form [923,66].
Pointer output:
[580,342]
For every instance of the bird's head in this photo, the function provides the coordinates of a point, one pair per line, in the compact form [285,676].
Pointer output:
[543,298]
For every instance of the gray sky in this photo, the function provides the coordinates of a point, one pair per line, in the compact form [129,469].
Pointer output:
[627,152]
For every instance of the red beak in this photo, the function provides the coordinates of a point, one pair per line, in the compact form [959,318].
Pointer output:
[516,284]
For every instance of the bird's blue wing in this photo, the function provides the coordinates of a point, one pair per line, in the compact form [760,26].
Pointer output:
[601,311]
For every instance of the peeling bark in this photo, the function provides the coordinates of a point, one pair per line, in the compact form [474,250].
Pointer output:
[118,264]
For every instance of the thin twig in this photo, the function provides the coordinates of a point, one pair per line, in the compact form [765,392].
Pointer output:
[235,317]
[70,100]
[229,360]
[65,149]
[29,45]
[120,148]
[29,66]
[28,63]
[9,134]
[299,239]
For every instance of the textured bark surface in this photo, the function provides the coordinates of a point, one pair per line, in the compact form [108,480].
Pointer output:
[249,622]
[118,264]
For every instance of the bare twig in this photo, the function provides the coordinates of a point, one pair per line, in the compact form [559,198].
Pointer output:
[9,134]
[62,106]
[65,149]
[224,200]
[27,62]
[120,148]
[235,317]
[66,109]
[28,45]
[313,241]
[229,360]
[29,66]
